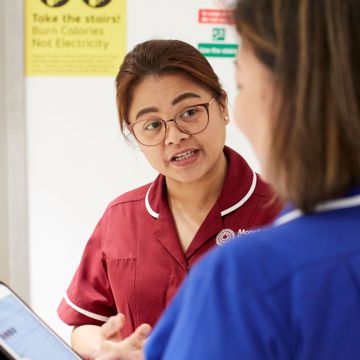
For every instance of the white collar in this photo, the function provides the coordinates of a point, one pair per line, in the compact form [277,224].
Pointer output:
[148,206]
[336,204]
[232,208]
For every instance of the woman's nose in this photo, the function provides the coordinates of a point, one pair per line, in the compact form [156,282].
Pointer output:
[173,134]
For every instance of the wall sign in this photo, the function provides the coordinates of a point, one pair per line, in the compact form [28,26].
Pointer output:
[220,19]
[74,37]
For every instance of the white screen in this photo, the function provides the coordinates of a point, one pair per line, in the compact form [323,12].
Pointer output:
[25,334]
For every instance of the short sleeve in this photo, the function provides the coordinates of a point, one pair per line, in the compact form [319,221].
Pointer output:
[89,299]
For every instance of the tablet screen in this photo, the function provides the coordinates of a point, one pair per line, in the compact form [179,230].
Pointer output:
[25,334]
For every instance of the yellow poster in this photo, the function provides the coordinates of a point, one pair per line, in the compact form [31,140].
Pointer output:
[74,37]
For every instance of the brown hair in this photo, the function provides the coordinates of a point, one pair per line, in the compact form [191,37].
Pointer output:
[313,49]
[160,57]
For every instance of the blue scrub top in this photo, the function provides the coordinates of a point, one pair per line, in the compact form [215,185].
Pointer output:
[290,291]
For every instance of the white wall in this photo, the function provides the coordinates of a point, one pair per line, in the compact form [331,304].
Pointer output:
[77,159]
[4,248]
[14,259]
[78,162]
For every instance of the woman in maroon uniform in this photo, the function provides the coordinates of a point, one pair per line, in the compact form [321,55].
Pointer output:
[171,101]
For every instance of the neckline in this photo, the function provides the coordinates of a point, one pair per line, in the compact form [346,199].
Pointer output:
[331,205]
[224,212]
[232,196]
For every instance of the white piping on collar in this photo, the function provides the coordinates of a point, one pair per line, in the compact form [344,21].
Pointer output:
[341,203]
[147,204]
[223,213]
[244,199]
[85,312]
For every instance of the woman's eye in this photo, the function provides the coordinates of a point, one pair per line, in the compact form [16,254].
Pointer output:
[152,125]
[188,113]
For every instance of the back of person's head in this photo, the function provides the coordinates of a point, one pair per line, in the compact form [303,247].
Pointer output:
[312,47]
[157,58]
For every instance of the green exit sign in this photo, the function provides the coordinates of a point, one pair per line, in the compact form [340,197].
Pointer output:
[218,50]
[218,34]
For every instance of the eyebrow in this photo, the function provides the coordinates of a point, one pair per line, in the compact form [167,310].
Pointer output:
[185,96]
[145,111]
[178,99]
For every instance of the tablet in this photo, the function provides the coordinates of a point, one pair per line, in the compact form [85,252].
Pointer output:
[24,335]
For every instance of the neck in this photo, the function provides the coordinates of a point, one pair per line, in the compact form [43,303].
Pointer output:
[200,194]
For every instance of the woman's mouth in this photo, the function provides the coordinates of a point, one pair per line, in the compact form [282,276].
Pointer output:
[185,158]
[184,155]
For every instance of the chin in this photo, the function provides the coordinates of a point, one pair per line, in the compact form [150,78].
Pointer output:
[187,178]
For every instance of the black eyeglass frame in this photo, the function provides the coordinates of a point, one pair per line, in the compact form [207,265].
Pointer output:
[165,122]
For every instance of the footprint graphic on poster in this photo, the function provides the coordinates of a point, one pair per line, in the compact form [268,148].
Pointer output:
[97,3]
[54,3]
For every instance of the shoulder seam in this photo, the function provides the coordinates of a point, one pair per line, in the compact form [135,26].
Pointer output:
[120,202]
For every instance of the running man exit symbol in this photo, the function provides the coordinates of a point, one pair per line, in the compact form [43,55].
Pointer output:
[218,34]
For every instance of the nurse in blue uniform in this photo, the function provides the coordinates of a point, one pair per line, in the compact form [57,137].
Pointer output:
[292,290]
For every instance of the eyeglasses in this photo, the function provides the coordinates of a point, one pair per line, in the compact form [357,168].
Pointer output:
[192,120]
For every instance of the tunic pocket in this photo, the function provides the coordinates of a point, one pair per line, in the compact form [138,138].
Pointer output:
[122,278]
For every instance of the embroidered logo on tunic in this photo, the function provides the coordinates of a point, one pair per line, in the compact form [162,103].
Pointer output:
[226,235]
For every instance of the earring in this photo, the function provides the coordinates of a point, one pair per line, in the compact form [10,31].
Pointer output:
[226,118]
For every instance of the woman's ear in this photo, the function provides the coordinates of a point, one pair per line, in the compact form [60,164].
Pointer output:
[223,101]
